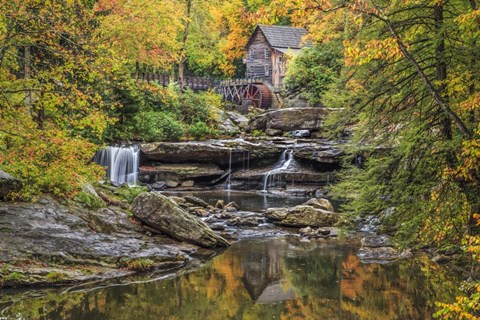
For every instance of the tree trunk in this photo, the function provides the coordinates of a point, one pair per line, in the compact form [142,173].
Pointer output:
[183,58]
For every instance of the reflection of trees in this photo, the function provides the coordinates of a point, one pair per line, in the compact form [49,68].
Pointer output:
[329,283]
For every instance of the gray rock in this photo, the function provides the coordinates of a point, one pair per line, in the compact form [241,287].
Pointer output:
[196,201]
[300,133]
[302,216]
[239,119]
[188,183]
[290,119]
[8,185]
[171,184]
[274,132]
[159,212]
[62,236]
[159,185]
[378,248]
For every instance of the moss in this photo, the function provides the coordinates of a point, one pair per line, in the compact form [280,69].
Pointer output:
[14,276]
[55,276]
[89,200]
[141,264]
[129,193]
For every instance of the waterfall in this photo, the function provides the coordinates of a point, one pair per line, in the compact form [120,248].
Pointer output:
[121,162]
[228,183]
[283,164]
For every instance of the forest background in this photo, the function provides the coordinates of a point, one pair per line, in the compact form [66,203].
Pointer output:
[406,74]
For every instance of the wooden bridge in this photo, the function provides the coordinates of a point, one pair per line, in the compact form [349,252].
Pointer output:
[243,92]
[194,83]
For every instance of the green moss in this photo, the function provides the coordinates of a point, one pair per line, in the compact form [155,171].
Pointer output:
[142,264]
[14,276]
[55,276]
[89,200]
[129,193]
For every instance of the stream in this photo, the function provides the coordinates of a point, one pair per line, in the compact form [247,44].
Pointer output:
[276,278]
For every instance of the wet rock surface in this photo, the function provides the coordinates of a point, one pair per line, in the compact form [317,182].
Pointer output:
[163,214]
[47,236]
[379,248]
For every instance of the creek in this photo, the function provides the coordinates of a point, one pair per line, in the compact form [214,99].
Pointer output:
[275,278]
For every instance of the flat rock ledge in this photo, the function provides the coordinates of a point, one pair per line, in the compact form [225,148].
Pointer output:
[51,244]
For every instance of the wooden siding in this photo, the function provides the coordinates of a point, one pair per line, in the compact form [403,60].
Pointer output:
[261,64]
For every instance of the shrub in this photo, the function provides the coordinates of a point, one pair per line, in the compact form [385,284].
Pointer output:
[200,130]
[153,125]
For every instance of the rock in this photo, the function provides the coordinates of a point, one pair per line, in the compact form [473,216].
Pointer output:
[226,123]
[196,201]
[199,212]
[159,212]
[237,118]
[302,216]
[376,241]
[320,203]
[111,220]
[56,236]
[217,227]
[306,231]
[159,185]
[8,185]
[378,248]
[171,184]
[180,172]
[178,200]
[290,119]
[249,221]
[188,183]
[274,132]
[300,133]
[220,204]
[232,204]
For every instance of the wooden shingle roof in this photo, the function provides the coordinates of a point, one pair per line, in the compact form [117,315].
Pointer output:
[283,37]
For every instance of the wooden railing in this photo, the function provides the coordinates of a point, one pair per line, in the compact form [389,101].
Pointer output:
[194,83]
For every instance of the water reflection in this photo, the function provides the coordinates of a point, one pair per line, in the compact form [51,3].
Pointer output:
[262,279]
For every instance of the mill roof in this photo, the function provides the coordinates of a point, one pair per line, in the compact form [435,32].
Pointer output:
[282,36]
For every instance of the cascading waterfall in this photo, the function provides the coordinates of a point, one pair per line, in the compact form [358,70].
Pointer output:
[121,162]
[283,164]
[228,183]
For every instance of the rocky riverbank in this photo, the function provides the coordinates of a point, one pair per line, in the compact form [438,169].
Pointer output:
[53,244]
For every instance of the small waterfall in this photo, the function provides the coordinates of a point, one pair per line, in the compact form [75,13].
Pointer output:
[283,164]
[228,182]
[121,162]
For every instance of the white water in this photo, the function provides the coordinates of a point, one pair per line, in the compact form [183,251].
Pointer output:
[284,162]
[228,183]
[121,162]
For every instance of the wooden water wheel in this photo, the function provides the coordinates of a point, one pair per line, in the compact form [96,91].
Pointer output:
[258,95]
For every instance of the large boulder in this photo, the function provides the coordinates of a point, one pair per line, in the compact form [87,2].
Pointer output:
[161,213]
[290,119]
[320,203]
[8,185]
[302,216]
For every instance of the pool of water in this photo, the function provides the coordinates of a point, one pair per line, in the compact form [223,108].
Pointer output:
[275,278]
[248,201]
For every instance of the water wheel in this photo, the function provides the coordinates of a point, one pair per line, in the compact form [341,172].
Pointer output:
[258,95]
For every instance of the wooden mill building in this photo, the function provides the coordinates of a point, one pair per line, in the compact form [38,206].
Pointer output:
[267,52]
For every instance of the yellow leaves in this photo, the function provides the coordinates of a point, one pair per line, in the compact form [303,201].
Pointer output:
[357,54]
